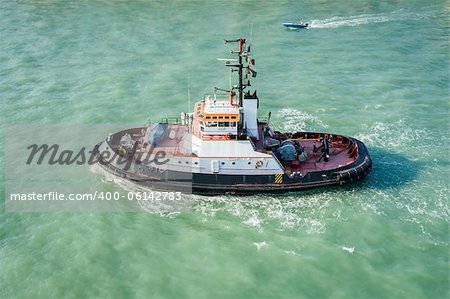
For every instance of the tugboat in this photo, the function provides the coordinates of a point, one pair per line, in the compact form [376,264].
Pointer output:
[223,147]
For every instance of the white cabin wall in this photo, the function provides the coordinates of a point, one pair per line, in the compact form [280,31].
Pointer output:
[251,117]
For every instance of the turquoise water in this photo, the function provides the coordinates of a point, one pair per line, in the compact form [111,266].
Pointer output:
[376,71]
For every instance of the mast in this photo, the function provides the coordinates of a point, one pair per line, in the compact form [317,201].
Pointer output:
[238,65]
[241,88]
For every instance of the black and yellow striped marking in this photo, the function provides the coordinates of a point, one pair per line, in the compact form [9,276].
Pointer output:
[278,178]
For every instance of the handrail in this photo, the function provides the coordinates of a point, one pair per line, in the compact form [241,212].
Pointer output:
[252,143]
[171,120]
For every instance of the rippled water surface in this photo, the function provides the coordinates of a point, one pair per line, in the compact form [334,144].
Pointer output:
[378,71]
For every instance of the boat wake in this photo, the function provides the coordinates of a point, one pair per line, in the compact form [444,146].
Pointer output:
[397,149]
[335,22]
[285,212]
[398,15]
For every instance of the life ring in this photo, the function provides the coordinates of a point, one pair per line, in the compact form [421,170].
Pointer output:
[258,164]
[122,151]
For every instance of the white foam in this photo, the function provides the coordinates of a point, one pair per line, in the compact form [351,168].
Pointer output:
[290,252]
[286,213]
[397,135]
[296,120]
[348,249]
[260,245]
[252,219]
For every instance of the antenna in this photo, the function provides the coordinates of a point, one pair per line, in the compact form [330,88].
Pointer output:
[231,86]
[189,92]
[251,34]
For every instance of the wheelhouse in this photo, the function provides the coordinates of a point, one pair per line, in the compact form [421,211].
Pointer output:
[216,117]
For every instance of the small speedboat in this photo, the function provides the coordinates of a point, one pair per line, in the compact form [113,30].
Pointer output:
[295,25]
